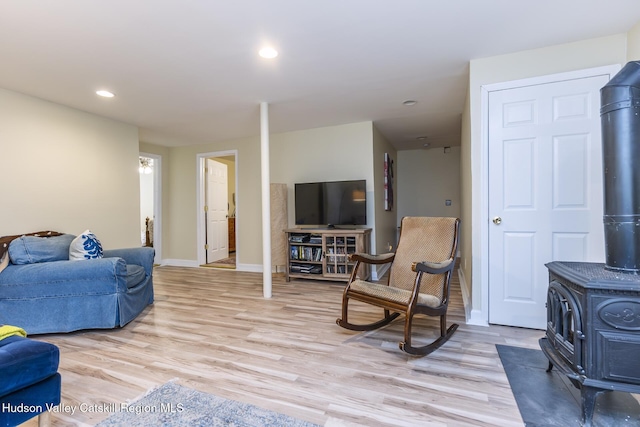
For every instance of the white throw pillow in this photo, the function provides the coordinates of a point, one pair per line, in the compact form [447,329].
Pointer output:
[85,246]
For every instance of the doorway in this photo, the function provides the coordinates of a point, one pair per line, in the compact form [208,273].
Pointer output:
[150,169]
[217,226]
[544,188]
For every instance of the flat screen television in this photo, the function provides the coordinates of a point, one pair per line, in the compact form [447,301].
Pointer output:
[331,203]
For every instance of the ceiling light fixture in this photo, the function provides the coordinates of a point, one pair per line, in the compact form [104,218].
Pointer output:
[146,165]
[409,102]
[105,93]
[268,52]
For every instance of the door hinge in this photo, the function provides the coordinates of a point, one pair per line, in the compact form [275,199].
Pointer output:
[206,247]
[206,208]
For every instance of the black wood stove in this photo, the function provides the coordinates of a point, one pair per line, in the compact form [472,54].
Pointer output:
[593,329]
[593,310]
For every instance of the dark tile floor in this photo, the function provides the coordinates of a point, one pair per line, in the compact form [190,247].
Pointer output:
[550,399]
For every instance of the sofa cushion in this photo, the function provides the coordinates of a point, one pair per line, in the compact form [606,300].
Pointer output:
[85,246]
[24,361]
[135,275]
[5,240]
[32,249]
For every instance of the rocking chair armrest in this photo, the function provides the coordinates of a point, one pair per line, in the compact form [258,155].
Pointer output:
[372,259]
[433,267]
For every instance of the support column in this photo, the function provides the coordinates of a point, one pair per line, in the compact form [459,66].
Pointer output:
[266,200]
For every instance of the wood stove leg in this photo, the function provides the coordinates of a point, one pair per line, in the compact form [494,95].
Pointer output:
[550,367]
[588,396]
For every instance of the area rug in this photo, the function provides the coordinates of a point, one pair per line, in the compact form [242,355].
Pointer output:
[547,399]
[174,405]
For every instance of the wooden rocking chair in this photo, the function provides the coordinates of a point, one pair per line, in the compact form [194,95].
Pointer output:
[419,279]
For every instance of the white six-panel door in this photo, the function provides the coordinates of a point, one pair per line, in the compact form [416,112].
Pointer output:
[217,211]
[545,191]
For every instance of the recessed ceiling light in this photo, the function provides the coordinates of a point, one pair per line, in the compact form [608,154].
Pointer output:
[268,52]
[105,93]
[409,102]
[425,145]
[421,138]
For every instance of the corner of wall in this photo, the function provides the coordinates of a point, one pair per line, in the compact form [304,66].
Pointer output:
[633,43]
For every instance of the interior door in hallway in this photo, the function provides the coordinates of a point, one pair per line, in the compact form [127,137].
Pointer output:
[217,211]
[545,191]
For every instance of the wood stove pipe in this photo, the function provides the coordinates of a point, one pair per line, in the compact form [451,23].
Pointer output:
[620,118]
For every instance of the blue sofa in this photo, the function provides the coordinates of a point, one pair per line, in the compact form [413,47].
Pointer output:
[42,291]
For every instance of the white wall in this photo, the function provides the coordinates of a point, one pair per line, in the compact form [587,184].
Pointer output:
[386,228]
[67,170]
[331,153]
[633,43]
[466,199]
[429,178]
[180,216]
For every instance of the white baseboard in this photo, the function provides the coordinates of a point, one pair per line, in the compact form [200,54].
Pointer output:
[472,317]
[477,318]
[179,262]
[251,268]
[466,295]
[377,275]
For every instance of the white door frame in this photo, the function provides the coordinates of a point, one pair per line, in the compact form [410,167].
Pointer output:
[157,204]
[481,316]
[202,200]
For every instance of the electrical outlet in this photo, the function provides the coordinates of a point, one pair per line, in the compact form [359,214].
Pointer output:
[447,202]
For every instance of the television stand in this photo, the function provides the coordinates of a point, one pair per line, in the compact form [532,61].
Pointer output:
[323,253]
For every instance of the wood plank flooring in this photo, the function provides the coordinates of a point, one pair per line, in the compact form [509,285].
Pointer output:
[212,330]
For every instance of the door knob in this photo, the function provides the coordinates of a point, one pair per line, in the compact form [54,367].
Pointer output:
[497,220]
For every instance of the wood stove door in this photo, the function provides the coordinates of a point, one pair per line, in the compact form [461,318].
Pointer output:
[545,186]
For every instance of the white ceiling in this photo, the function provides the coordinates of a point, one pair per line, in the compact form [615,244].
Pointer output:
[187,71]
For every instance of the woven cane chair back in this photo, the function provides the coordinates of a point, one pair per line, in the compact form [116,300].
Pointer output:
[422,239]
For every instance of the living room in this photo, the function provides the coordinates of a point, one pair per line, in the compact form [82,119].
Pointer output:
[79,170]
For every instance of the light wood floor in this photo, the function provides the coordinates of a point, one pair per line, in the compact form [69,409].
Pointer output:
[211,329]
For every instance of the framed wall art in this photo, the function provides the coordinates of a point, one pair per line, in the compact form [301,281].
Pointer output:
[388,182]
